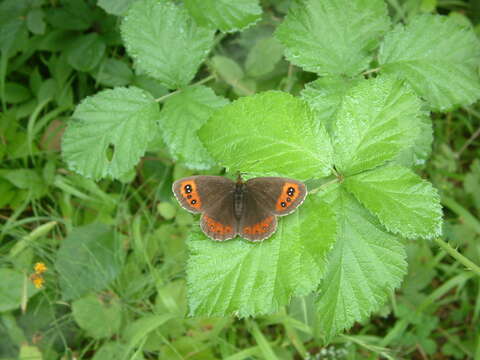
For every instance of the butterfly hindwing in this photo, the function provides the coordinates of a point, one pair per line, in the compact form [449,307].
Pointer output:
[256,223]
[218,221]
[279,195]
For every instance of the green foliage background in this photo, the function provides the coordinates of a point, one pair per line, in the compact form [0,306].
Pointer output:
[372,103]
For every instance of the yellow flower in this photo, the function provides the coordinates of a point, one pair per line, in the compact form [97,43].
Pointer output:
[40,268]
[37,280]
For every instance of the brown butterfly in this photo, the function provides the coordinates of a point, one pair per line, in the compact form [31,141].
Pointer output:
[248,209]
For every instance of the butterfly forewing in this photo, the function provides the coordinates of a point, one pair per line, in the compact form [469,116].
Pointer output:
[279,195]
[212,196]
[197,193]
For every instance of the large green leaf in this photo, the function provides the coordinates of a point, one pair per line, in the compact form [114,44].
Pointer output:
[121,120]
[225,15]
[333,36]
[364,267]
[377,119]
[271,132]
[165,42]
[252,278]
[438,57]
[403,202]
[182,115]
[89,259]
[325,95]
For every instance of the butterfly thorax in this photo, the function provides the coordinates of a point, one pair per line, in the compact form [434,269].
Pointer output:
[238,199]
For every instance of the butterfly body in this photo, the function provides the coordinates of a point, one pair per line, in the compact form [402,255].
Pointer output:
[248,209]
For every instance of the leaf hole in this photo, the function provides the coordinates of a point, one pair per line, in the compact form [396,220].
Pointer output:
[109,151]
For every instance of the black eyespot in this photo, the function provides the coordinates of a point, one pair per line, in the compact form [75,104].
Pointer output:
[290,191]
[289,199]
[193,202]
[188,189]
[189,196]
[283,203]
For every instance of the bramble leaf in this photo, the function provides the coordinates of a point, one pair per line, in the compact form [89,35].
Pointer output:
[271,132]
[419,152]
[255,278]
[121,120]
[165,42]
[437,56]
[403,202]
[378,119]
[182,115]
[365,265]
[333,37]
[225,15]
[325,95]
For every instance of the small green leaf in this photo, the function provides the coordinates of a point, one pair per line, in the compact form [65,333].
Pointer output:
[364,267]
[165,42]
[13,287]
[253,278]
[72,15]
[325,95]
[35,22]
[113,72]
[89,259]
[100,318]
[403,202]
[86,52]
[115,7]
[16,93]
[263,57]
[28,352]
[274,132]
[225,15]
[333,37]
[232,74]
[182,115]
[121,120]
[438,57]
[13,28]
[378,119]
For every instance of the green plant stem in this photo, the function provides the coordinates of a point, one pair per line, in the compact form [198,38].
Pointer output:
[455,254]
[463,213]
[200,82]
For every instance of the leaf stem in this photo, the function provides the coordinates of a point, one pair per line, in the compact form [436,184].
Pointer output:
[200,82]
[371,71]
[455,254]
[314,191]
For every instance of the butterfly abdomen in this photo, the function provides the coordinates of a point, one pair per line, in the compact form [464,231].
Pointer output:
[239,199]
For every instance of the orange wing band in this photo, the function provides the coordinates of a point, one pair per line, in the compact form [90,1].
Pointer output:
[188,189]
[260,228]
[290,192]
[216,227]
